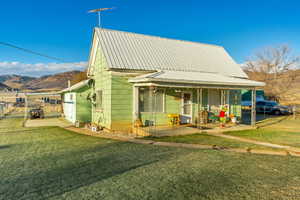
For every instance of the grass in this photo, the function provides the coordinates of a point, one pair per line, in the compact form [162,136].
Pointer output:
[285,131]
[52,163]
[205,139]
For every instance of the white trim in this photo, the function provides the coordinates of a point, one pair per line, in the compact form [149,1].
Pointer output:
[192,86]
[135,97]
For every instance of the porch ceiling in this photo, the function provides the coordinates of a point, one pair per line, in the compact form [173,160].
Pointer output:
[195,79]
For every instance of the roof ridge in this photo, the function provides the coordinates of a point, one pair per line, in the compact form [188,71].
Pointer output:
[164,38]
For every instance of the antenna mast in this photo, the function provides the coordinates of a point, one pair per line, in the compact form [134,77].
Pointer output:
[98,11]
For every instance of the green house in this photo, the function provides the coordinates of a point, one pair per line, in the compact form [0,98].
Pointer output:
[76,103]
[146,78]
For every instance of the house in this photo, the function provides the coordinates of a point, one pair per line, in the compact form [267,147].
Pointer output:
[146,78]
[76,103]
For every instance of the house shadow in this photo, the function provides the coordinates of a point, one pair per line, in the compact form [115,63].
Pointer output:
[246,117]
[71,170]
[4,146]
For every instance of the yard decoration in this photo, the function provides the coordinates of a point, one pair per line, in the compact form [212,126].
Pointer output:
[222,116]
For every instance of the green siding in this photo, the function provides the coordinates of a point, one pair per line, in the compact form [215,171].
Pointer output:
[121,103]
[102,79]
[83,105]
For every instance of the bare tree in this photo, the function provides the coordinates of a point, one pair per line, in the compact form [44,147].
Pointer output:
[277,67]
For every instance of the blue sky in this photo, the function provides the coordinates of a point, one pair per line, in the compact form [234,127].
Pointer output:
[63,28]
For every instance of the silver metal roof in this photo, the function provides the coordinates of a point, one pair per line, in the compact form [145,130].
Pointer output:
[195,78]
[124,50]
[76,86]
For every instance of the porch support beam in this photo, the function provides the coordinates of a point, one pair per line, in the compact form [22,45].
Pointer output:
[253,108]
[135,113]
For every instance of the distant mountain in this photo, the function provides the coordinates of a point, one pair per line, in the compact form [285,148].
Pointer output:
[45,83]
[15,81]
[50,82]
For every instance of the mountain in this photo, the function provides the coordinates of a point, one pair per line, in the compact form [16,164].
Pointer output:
[45,83]
[15,81]
[51,82]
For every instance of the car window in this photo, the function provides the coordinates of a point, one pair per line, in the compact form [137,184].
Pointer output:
[261,103]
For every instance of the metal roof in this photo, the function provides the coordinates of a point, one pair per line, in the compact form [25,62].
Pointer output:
[195,78]
[124,50]
[76,86]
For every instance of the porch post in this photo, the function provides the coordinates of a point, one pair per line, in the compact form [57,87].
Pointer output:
[135,112]
[253,108]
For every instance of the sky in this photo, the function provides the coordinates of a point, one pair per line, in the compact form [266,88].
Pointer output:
[63,28]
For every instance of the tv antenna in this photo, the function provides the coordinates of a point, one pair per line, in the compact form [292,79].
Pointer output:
[98,11]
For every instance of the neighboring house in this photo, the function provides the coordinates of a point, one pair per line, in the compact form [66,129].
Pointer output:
[144,78]
[76,103]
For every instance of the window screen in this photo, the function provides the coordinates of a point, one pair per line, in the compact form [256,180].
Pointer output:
[151,103]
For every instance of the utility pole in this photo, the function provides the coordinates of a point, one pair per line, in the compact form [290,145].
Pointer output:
[98,11]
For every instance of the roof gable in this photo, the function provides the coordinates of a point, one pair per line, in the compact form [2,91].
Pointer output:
[131,51]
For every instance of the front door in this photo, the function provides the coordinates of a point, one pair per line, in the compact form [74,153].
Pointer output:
[186,111]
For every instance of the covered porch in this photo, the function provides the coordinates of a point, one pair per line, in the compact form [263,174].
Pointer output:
[186,100]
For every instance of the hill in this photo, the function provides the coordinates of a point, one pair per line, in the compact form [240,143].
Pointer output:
[45,83]
[15,81]
[51,82]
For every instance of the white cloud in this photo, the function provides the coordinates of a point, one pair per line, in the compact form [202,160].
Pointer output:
[39,69]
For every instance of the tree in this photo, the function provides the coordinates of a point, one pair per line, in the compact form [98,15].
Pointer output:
[277,67]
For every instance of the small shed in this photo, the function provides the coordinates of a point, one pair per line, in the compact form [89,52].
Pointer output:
[76,104]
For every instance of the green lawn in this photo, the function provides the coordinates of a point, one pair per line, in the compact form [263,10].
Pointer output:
[51,163]
[285,132]
[205,139]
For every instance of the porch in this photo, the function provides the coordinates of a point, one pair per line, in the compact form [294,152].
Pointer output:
[189,99]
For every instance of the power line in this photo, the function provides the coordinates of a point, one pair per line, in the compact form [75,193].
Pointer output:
[32,52]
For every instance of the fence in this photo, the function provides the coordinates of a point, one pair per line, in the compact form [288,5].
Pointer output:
[20,105]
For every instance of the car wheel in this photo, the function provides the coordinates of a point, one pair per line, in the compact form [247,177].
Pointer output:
[277,112]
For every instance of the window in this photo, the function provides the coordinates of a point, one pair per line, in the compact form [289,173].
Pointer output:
[99,99]
[261,103]
[71,97]
[151,103]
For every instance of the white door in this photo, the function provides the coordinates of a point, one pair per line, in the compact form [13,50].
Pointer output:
[186,111]
[70,107]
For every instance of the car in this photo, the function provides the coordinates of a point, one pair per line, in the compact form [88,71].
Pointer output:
[36,113]
[272,107]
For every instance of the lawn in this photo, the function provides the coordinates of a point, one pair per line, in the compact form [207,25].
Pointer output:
[205,139]
[52,163]
[285,131]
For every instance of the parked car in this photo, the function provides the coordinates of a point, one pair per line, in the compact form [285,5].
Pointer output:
[272,107]
[36,113]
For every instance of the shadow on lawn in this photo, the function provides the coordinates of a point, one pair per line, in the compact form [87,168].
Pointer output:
[55,174]
[4,147]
